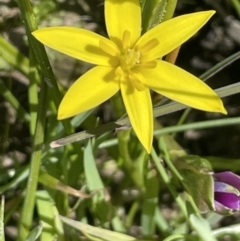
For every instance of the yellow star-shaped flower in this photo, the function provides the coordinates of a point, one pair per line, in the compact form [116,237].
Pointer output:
[131,63]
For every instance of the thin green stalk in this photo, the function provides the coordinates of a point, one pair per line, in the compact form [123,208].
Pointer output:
[199,125]
[9,97]
[30,24]
[167,159]
[12,56]
[65,167]
[41,55]
[236,4]
[29,200]
[128,163]
[170,8]
[174,171]
[167,182]
[33,93]
[131,214]
[2,209]
[124,123]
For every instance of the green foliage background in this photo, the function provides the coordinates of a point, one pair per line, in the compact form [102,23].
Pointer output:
[107,187]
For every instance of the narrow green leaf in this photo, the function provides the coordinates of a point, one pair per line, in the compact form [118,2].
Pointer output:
[7,94]
[35,233]
[2,207]
[94,183]
[199,125]
[124,124]
[236,4]
[161,222]
[150,204]
[48,217]
[54,183]
[20,176]
[13,56]
[153,13]
[33,92]
[202,227]
[232,230]
[175,237]
[103,234]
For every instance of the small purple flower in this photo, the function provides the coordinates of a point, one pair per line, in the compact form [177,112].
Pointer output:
[226,192]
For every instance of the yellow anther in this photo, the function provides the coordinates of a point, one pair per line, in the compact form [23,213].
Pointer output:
[120,73]
[126,39]
[151,44]
[149,65]
[136,82]
[109,48]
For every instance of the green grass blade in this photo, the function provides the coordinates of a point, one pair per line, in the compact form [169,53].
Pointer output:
[50,221]
[202,227]
[125,124]
[33,93]
[153,13]
[232,230]
[220,66]
[51,182]
[95,184]
[167,181]
[7,94]
[103,234]
[236,4]
[11,55]
[199,125]
[35,233]
[2,237]
[38,140]
[20,176]
[150,204]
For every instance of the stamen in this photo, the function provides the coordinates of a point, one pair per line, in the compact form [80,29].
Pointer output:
[137,81]
[151,44]
[109,48]
[119,73]
[149,65]
[126,39]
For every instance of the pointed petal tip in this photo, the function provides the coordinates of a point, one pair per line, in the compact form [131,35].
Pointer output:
[146,141]
[221,108]
[61,116]
[147,144]
[149,149]
[211,12]
[224,111]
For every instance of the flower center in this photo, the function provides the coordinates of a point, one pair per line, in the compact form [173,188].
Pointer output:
[129,59]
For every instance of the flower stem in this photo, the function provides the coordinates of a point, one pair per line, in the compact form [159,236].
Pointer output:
[168,183]
[170,8]
[48,82]
[29,200]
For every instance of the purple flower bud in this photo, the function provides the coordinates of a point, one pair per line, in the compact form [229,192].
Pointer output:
[226,192]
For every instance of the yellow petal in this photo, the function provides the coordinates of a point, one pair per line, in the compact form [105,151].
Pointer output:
[75,42]
[90,90]
[173,32]
[139,109]
[181,86]
[123,16]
